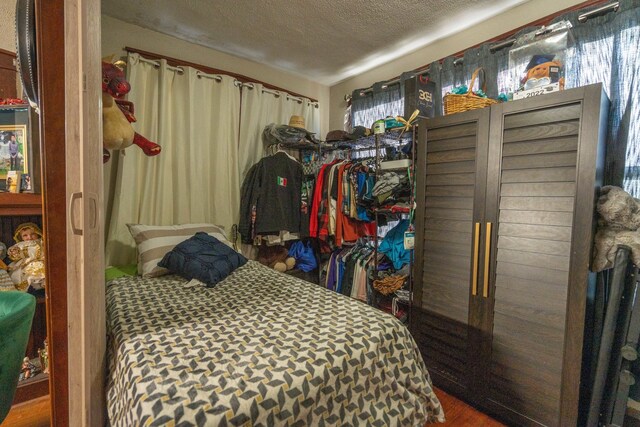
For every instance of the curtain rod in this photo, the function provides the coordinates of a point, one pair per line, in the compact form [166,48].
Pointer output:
[236,82]
[506,39]
[212,71]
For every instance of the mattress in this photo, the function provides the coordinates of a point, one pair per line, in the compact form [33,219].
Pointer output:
[260,349]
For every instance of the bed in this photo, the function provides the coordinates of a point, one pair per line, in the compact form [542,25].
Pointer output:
[261,348]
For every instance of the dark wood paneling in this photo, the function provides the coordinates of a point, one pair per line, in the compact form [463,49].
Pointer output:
[553,204]
[451,156]
[545,232]
[532,133]
[456,249]
[518,333]
[461,261]
[51,71]
[452,144]
[449,202]
[538,189]
[560,174]
[8,75]
[449,225]
[456,214]
[441,236]
[447,185]
[450,191]
[35,388]
[452,179]
[564,219]
[457,130]
[457,167]
[531,287]
[526,148]
[20,204]
[554,262]
[555,277]
[539,161]
[541,117]
[542,340]
[550,247]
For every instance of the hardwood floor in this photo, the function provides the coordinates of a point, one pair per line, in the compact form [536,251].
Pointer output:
[35,413]
[459,414]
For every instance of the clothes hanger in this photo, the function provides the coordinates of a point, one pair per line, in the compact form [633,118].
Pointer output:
[280,149]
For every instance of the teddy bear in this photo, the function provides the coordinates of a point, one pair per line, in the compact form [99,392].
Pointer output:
[276,257]
[542,70]
[618,224]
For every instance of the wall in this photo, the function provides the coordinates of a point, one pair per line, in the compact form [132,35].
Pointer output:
[8,18]
[500,24]
[117,34]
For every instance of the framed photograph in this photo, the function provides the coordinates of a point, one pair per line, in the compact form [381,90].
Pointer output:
[19,145]
[14,149]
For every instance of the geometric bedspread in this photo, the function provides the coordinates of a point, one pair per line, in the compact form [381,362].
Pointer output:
[260,349]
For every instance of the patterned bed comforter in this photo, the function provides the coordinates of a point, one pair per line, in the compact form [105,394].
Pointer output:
[261,348]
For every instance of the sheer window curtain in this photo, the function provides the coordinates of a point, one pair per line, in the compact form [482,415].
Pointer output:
[195,178]
[260,108]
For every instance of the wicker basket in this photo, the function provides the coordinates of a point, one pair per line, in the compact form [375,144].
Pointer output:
[458,103]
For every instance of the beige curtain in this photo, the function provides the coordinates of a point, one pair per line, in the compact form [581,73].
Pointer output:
[261,107]
[196,177]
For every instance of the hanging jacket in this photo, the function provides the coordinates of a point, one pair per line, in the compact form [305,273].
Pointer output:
[273,189]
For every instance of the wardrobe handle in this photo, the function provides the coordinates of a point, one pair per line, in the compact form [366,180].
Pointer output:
[75,230]
[487,258]
[476,244]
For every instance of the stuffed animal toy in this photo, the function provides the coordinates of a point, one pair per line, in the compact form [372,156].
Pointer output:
[619,224]
[276,257]
[542,70]
[117,114]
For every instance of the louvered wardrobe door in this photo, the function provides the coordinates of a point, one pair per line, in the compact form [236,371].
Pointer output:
[451,174]
[536,172]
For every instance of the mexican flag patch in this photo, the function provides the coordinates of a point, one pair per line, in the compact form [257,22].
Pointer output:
[282,181]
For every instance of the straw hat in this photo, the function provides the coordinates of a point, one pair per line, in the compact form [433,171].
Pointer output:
[297,122]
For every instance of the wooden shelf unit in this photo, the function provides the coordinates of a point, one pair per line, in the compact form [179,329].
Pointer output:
[20,204]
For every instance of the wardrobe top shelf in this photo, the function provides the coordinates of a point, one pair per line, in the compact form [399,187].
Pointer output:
[20,204]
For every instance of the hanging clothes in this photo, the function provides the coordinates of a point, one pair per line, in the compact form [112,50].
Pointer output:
[393,245]
[271,198]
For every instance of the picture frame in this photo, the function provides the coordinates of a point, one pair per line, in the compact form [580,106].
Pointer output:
[14,149]
[19,122]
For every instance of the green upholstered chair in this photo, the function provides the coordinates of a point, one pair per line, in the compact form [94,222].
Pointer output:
[16,315]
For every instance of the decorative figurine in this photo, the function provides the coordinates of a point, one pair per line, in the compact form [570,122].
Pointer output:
[27,266]
[117,114]
[43,353]
[27,370]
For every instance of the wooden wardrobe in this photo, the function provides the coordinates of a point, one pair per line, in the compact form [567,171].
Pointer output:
[505,221]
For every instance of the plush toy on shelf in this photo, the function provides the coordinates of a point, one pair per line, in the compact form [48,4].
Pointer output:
[542,70]
[117,114]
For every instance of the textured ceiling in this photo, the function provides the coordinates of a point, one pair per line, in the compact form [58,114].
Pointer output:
[323,40]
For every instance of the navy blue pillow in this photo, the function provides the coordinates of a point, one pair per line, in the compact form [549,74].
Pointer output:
[202,257]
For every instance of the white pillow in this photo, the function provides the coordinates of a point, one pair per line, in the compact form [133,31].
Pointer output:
[154,241]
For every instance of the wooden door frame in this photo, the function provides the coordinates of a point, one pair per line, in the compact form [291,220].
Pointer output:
[51,83]
[69,76]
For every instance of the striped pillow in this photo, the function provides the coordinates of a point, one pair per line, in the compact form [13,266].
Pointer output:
[154,241]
